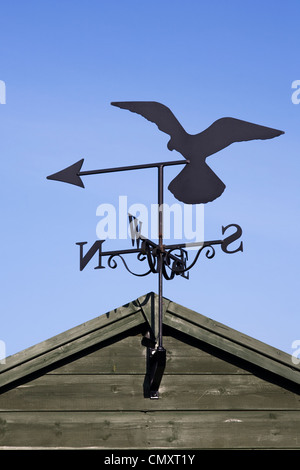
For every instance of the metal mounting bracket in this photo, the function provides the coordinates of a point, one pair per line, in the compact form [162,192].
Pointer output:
[157,364]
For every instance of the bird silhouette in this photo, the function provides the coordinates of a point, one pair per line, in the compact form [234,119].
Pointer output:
[197,183]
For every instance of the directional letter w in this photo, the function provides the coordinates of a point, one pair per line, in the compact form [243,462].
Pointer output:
[135,230]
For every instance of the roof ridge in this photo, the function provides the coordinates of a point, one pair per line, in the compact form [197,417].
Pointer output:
[141,311]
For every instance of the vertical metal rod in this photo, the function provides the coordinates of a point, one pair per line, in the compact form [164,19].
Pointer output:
[160,260]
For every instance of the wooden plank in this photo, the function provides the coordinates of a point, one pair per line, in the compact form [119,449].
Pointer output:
[70,335]
[137,430]
[235,348]
[128,356]
[125,392]
[184,358]
[220,329]
[68,349]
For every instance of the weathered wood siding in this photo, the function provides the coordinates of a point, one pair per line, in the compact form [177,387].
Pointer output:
[97,400]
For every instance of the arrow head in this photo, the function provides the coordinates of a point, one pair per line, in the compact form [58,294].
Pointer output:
[69,174]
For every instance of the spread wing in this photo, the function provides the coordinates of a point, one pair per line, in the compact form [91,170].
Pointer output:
[226,131]
[155,112]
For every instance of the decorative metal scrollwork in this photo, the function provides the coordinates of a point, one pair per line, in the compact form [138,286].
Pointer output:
[180,266]
[174,260]
[112,263]
[170,259]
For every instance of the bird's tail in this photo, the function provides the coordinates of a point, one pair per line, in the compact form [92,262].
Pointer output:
[196,184]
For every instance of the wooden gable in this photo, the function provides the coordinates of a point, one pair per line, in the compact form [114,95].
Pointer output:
[88,387]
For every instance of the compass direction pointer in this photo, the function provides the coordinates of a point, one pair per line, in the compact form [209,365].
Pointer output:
[72,173]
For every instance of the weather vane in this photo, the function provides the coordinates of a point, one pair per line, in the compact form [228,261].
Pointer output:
[195,184]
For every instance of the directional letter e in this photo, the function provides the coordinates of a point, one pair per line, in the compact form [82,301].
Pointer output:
[84,259]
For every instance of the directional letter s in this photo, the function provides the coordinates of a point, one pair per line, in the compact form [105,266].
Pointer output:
[231,238]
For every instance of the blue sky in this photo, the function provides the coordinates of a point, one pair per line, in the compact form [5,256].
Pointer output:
[63,62]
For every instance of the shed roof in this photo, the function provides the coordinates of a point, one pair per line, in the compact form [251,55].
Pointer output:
[141,311]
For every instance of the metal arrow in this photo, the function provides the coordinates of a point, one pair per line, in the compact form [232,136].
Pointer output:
[72,173]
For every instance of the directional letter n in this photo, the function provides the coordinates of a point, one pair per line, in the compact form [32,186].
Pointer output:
[84,259]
